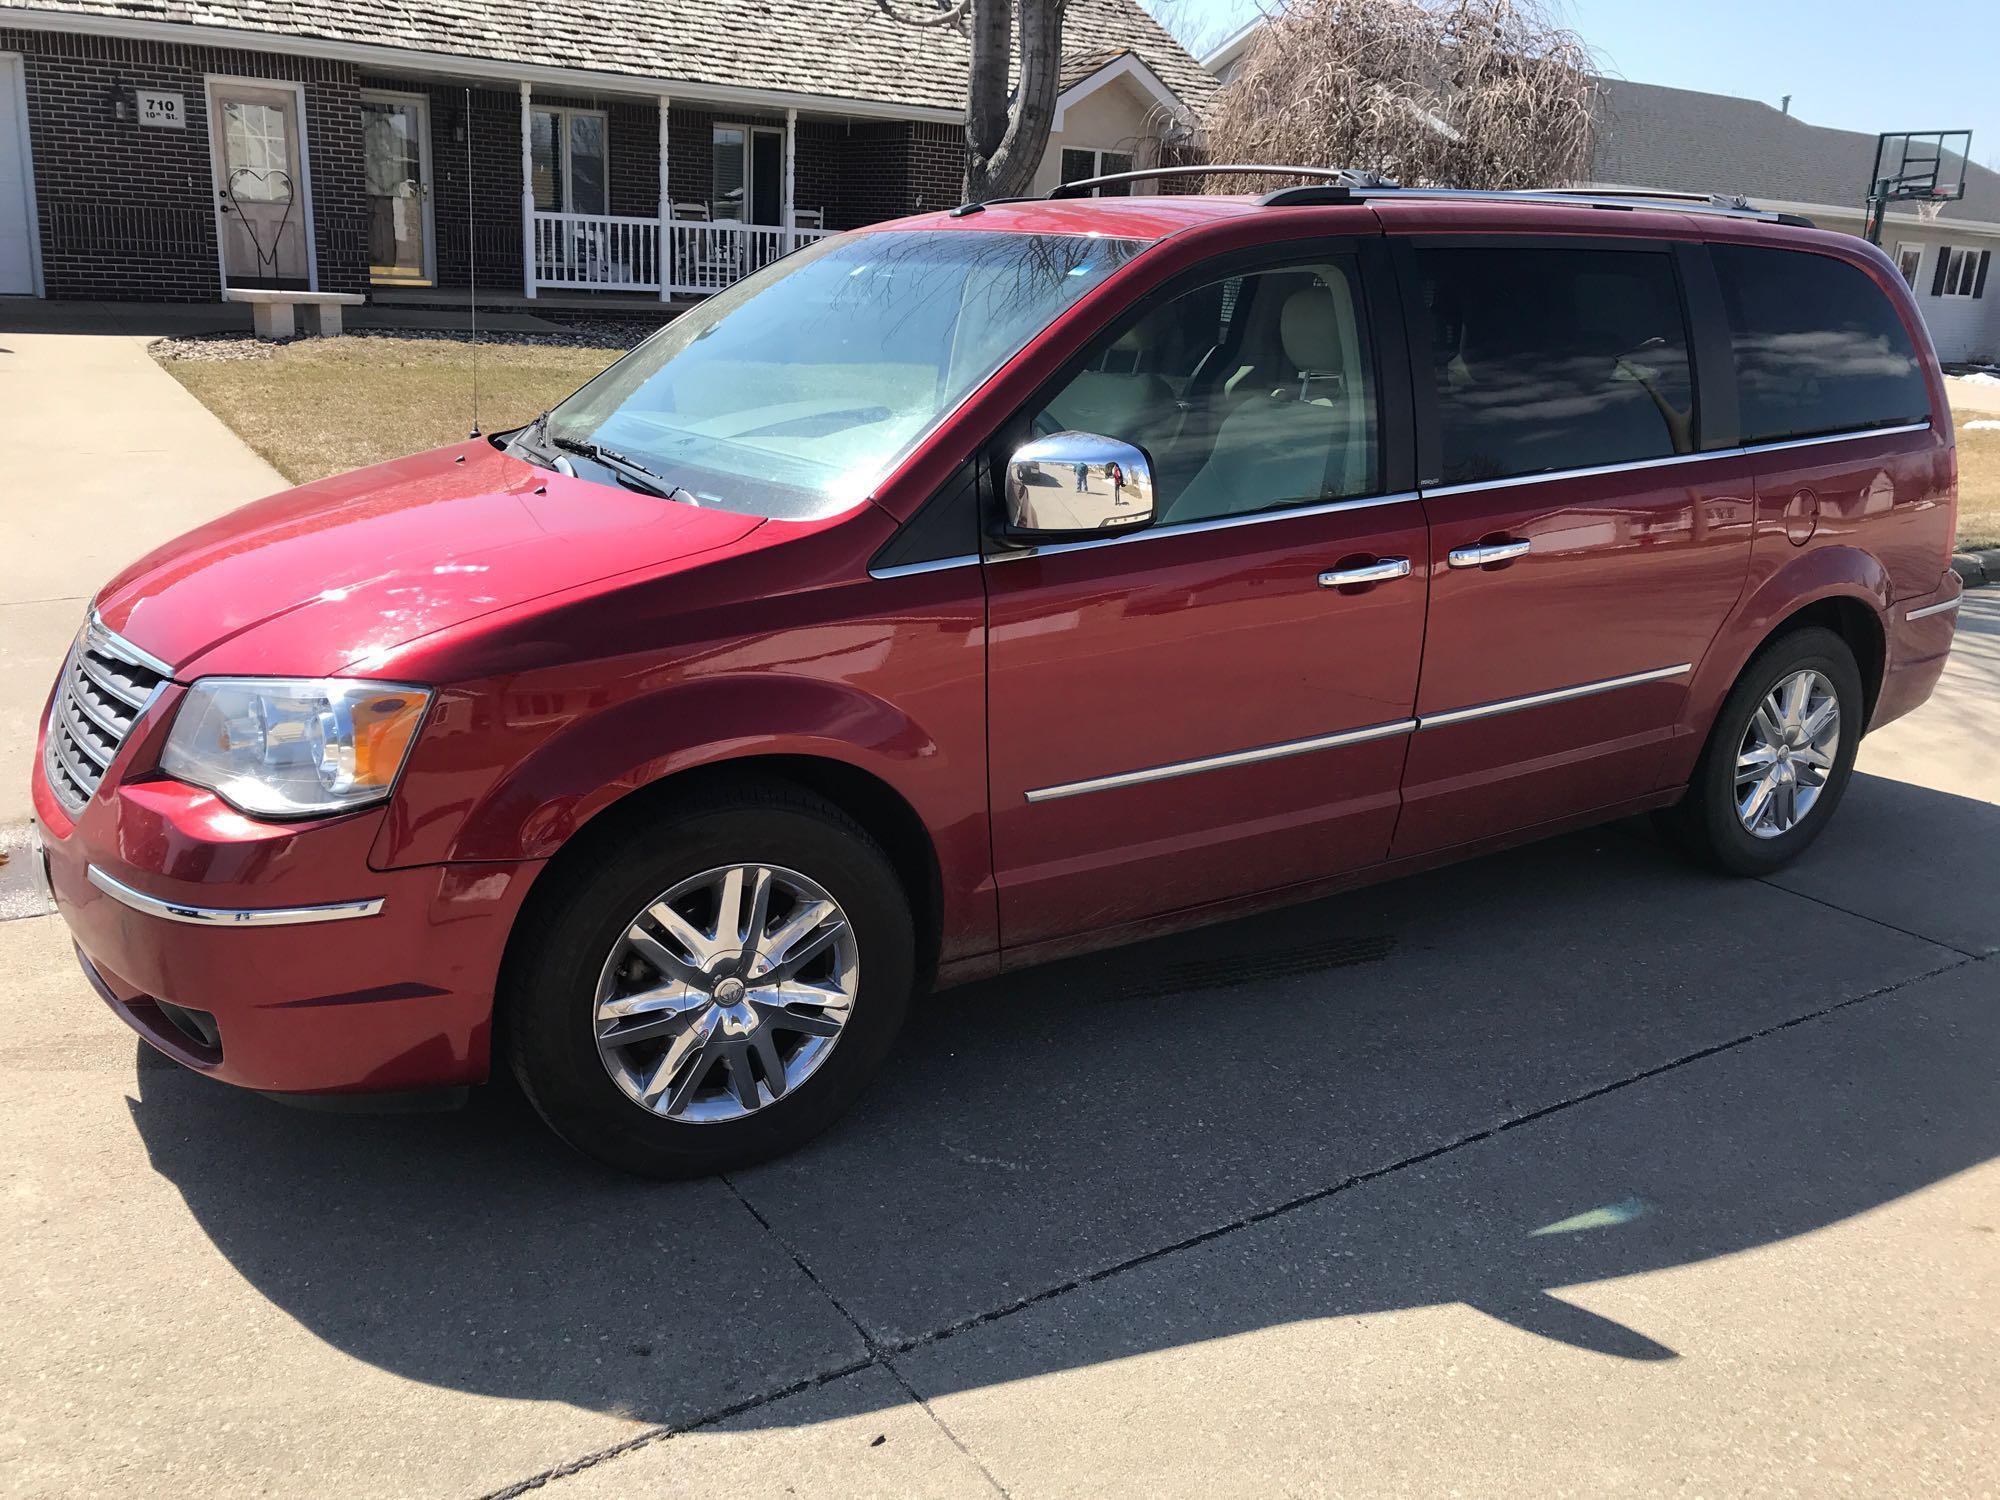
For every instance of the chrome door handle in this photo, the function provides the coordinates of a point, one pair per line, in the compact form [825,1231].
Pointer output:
[1375,572]
[1492,552]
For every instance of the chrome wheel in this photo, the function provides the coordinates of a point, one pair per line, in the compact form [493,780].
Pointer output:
[1787,754]
[725,993]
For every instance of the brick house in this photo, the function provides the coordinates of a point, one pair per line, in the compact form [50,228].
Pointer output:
[186,150]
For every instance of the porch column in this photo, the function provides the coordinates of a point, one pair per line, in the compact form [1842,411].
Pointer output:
[527,193]
[790,203]
[666,254]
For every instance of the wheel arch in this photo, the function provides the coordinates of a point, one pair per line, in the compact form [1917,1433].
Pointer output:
[867,798]
[1844,589]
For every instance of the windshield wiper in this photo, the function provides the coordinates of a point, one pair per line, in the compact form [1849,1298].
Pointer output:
[629,470]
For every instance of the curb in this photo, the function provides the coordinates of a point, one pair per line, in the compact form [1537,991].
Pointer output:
[1977,568]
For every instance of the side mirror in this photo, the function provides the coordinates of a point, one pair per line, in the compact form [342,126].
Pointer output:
[1077,484]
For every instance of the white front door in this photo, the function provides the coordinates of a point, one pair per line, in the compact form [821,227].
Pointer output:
[260,191]
[17,221]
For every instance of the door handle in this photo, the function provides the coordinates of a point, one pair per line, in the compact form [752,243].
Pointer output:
[1490,552]
[1381,571]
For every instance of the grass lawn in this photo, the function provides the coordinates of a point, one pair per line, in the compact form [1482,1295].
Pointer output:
[1978,482]
[322,406]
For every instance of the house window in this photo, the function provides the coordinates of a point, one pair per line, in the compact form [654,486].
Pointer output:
[568,150]
[1909,258]
[1961,275]
[1079,164]
[747,180]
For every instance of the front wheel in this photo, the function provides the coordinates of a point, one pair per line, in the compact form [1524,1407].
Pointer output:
[1778,758]
[714,990]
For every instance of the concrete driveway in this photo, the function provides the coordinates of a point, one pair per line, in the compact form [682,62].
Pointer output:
[114,459]
[1570,1170]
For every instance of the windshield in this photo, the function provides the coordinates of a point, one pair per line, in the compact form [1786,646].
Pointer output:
[792,393]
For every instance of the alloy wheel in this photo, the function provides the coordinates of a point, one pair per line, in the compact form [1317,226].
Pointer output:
[1787,754]
[725,993]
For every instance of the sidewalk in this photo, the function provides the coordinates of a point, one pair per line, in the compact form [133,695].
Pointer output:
[1972,395]
[114,459]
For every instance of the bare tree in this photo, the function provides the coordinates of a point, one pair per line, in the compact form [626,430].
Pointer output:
[1009,105]
[1455,93]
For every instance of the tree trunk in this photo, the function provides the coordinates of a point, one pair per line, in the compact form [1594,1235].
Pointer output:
[1006,131]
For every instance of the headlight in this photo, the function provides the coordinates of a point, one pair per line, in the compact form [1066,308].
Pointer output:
[284,747]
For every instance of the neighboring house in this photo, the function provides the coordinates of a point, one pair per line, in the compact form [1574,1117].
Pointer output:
[182,149]
[1227,55]
[1677,139]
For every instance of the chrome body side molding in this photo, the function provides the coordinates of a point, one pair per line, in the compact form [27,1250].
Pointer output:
[229,916]
[1935,609]
[1218,762]
[1554,695]
[1352,736]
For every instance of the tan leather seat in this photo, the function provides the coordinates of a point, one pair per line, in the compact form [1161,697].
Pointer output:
[1127,404]
[1278,447]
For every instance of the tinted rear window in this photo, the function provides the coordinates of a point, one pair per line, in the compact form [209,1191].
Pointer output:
[1555,359]
[1818,347]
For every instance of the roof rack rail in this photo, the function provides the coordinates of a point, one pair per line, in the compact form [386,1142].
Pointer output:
[1333,185]
[1345,177]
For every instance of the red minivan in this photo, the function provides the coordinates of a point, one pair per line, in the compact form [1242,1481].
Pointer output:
[986,586]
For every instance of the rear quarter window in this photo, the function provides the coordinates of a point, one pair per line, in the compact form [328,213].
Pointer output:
[1818,347]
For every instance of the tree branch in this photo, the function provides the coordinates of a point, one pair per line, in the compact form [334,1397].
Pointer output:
[938,18]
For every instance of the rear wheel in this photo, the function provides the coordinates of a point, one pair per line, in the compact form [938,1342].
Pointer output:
[1779,757]
[716,989]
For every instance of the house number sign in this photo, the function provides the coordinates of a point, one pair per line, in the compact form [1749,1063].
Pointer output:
[161,111]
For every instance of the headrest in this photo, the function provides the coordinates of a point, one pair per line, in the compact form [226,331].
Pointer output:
[1309,329]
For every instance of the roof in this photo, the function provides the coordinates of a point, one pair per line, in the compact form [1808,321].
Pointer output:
[1223,55]
[833,49]
[1652,136]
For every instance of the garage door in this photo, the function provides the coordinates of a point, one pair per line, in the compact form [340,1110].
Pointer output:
[17,244]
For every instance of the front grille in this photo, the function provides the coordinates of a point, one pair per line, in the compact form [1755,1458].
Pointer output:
[106,684]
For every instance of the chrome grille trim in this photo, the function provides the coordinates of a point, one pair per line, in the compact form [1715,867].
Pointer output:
[124,692]
[106,686]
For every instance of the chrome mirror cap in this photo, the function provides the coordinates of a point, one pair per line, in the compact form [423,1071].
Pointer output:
[1077,484]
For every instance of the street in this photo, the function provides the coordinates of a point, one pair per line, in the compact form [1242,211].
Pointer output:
[1571,1169]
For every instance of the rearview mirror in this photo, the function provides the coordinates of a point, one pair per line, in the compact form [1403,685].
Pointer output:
[1076,484]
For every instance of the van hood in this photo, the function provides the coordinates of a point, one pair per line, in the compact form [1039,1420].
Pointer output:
[316,579]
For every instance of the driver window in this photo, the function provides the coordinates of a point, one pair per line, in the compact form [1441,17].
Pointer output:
[1247,394]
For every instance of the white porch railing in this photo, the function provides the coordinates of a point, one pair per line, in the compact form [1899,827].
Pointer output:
[601,252]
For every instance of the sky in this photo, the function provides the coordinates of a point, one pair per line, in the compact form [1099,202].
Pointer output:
[1855,64]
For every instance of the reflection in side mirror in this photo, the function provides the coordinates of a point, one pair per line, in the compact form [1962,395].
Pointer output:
[1074,484]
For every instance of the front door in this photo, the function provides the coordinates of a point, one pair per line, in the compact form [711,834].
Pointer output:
[767,176]
[1583,550]
[260,201]
[17,231]
[1219,704]
[395,134]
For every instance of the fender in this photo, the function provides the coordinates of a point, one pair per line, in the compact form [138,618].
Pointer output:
[1827,572]
[601,758]
[591,761]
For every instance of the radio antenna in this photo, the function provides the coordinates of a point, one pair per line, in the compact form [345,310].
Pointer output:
[472,258]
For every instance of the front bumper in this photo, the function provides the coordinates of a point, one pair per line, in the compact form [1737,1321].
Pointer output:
[270,955]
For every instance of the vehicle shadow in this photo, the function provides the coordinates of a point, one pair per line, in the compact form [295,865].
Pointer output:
[1036,1130]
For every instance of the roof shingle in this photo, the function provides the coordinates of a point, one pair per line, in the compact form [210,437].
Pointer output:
[1684,141]
[841,49]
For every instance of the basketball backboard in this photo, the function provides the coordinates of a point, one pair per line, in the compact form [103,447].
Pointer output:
[1925,167]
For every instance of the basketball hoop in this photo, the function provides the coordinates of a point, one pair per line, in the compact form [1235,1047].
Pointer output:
[1921,169]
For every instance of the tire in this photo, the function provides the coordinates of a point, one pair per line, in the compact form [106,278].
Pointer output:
[575,952]
[1709,822]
